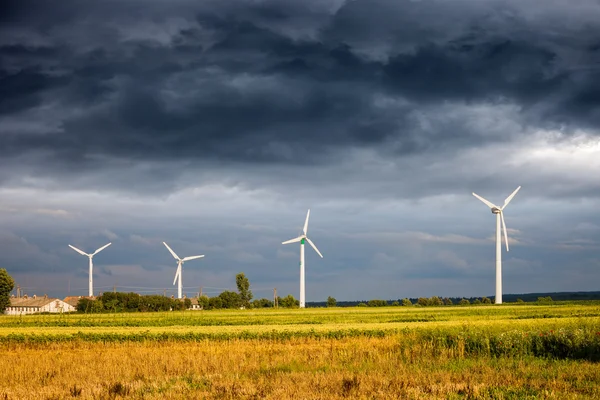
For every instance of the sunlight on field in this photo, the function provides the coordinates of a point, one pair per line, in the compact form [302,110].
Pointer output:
[508,352]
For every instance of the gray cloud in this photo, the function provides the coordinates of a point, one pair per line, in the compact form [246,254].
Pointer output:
[216,124]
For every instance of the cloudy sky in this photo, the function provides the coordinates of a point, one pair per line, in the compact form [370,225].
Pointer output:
[215,125]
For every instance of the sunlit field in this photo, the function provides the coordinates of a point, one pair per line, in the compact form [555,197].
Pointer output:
[493,352]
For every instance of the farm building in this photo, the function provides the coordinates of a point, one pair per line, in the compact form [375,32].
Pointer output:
[195,305]
[73,300]
[35,304]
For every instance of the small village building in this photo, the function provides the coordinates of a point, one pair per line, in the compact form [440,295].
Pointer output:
[73,300]
[35,304]
[195,305]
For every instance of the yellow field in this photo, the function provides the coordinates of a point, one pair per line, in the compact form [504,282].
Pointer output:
[461,353]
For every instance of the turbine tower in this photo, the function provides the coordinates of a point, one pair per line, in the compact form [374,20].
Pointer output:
[499,211]
[180,262]
[90,256]
[302,238]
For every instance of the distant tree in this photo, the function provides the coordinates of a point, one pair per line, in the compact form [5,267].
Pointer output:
[447,301]
[331,301]
[96,306]
[361,304]
[464,302]
[476,301]
[262,303]
[230,299]
[7,284]
[377,303]
[520,301]
[203,302]
[215,303]
[396,303]
[289,302]
[435,301]
[406,302]
[187,303]
[243,285]
[485,300]
[544,300]
[423,301]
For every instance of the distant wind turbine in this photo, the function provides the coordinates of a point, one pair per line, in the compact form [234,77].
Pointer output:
[302,238]
[180,262]
[499,211]
[90,256]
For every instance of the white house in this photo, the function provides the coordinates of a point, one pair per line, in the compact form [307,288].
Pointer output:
[33,305]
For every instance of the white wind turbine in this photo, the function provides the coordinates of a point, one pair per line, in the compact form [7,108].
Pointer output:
[302,238]
[499,211]
[90,256]
[180,262]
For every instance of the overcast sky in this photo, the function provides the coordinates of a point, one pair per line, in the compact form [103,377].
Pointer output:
[215,125]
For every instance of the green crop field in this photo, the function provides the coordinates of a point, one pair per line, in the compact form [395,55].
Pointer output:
[493,352]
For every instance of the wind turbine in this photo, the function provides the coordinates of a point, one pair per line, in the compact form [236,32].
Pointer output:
[180,262]
[302,238]
[90,256]
[499,211]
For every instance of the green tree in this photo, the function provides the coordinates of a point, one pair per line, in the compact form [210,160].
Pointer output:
[406,302]
[262,303]
[476,301]
[447,301]
[7,284]
[203,302]
[289,302]
[361,304]
[435,301]
[396,303]
[214,303]
[243,285]
[423,301]
[377,303]
[331,301]
[187,303]
[485,300]
[464,302]
[230,299]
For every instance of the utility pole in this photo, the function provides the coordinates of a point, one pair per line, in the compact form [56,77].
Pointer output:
[115,289]
[18,291]
[275,298]
[165,292]
[200,294]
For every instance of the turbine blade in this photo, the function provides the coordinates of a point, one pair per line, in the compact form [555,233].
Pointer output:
[509,198]
[79,251]
[306,222]
[100,249]
[175,256]
[314,247]
[487,203]
[192,258]
[504,229]
[299,238]
[177,273]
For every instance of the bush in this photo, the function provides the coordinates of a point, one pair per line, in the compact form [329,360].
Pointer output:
[485,300]
[464,302]
[406,302]
[331,301]
[377,303]
[423,301]
[435,301]
[396,303]
[361,305]
[447,301]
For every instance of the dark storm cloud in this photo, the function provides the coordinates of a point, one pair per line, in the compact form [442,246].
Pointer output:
[277,82]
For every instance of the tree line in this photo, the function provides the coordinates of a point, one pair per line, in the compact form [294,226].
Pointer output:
[129,302]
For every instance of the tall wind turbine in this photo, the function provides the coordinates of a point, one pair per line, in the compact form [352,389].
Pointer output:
[180,262]
[302,238]
[499,211]
[90,256]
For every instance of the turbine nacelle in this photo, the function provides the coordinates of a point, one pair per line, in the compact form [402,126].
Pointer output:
[496,210]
